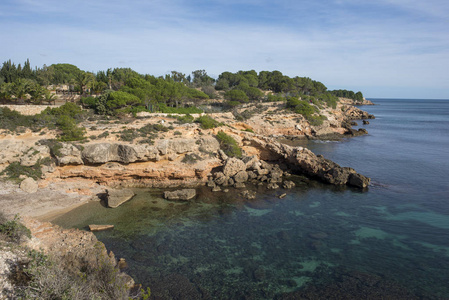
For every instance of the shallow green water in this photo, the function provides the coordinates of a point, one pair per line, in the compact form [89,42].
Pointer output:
[390,241]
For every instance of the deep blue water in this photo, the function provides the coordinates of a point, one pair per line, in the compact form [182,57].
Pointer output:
[390,241]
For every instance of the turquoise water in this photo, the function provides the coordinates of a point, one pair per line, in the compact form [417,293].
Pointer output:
[319,242]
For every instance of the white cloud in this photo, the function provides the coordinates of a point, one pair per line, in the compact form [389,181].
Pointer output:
[156,36]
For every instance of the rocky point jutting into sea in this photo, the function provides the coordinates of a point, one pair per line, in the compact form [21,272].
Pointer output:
[180,156]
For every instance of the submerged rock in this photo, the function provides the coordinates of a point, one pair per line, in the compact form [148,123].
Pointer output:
[94,227]
[116,198]
[184,195]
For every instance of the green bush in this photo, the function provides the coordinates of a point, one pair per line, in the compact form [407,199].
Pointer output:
[228,145]
[14,170]
[188,118]
[68,277]
[13,229]
[191,158]
[236,95]
[275,98]
[207,122]
[70,131]
[316,120]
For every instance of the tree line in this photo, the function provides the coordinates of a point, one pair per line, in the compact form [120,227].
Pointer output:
[122,90]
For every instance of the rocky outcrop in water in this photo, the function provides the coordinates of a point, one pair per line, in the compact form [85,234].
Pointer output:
[304,161]
[115,198]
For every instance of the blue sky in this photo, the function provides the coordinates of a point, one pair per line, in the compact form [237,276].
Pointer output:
[384,48]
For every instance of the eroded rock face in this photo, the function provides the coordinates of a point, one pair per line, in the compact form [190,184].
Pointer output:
[69,154]
[184,195]
[304,161]
[115,198]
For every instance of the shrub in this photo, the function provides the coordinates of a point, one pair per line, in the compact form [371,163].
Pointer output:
[15,170]
[275,98]
[315,120]
[236,95]
[60,277]
[179,110]
[13,229]
[207,122]
[188,118]
[229,145]
[191,158]
[129,135]
[70,131]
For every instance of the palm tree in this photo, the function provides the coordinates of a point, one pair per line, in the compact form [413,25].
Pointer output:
[5,91]
[49,97]
[83,79]
[37,93]
[20,88]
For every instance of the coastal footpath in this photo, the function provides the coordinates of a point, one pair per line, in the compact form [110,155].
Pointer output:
[159,150]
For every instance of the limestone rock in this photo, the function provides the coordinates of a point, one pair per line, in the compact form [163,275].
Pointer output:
[216,189]
[68,154]
[249,195]
[117,197]
[221,179]
[208,144]
[304,161]
[272,186]
[288,184]
[241,176]
[29,185]
[94,227]
[232,166]
[184,195]
[11,150]
[358,180]
[239,185]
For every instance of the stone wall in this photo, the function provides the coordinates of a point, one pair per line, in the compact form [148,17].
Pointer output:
[28,109]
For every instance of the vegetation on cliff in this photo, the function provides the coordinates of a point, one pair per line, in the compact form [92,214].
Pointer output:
[121,91]
[85,273]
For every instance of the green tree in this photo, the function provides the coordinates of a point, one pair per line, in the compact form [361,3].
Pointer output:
[37,93]
[200,78]
[236,95]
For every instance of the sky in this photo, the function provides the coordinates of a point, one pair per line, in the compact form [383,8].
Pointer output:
[384,48]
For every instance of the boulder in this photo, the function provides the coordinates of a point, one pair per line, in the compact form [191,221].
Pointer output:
[365,122]
[241,176]
[29,185]
[117,197]
[239,185]
[272,186]
[68,154]
[105,152]
[288,184]
[216,189]
[358,180]
[220,178]
[184,195]
[249,195]
[232,166]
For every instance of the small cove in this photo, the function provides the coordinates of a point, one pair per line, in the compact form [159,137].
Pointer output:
[220,246]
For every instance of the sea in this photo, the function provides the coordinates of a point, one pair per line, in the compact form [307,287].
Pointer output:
[390,241]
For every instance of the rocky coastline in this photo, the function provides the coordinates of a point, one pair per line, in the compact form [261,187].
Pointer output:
[184,156]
